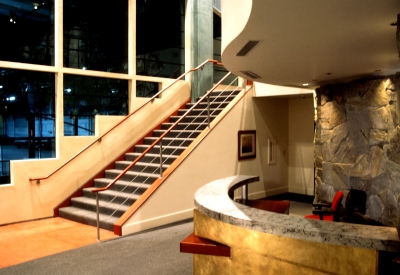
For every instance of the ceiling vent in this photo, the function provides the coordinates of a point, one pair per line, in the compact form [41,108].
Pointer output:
[248,47]
[250,74]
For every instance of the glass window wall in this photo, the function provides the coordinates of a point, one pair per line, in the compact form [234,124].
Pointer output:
[85,97]
[27,124]
[27,31]
[95,35]
[160,38]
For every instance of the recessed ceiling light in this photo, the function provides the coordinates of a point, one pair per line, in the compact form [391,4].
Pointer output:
[305,84]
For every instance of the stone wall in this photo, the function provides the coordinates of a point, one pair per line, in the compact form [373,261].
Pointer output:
[357,144]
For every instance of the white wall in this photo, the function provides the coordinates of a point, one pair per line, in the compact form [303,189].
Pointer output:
[301,145]
[263,89]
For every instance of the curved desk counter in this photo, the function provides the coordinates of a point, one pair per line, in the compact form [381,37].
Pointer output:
[263,242]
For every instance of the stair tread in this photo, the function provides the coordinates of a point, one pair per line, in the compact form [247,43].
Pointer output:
[114,193]
[164,146]
[104,204]
[187,123]
[151,155]
[124,182]
[189,131]
[141,163]
[196,116]
[117,171]
[88,215]
[171,138]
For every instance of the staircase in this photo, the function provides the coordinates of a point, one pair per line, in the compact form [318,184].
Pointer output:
[113,203]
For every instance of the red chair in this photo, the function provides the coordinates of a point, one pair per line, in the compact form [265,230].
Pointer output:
[327,211]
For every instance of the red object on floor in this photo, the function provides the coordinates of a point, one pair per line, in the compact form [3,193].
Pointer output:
[329,215]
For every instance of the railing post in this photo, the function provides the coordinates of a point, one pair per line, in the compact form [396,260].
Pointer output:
[244,192]
[161,161]
[208,111]
[97,214]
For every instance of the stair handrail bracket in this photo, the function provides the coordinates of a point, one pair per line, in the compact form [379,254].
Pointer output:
[38,180]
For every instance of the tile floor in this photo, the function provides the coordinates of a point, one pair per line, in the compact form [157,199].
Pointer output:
[27,241]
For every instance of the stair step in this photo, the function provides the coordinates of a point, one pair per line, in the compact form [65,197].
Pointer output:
[108,208]
[203,112]
[184,126]
[188,119]
[87,217]
[142,167]
[131,176]
[169,150]
[222,98]
[176,133]
[114,196]
[225,92]
[152,158]
[204,105]
[169,141]
[121,185]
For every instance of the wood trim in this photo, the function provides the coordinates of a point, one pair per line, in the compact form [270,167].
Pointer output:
[198,245]
[146,195]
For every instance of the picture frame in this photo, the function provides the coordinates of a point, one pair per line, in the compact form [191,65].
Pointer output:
[271,151]
[246,144]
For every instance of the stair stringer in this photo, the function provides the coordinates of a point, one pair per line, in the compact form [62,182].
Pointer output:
[127,224]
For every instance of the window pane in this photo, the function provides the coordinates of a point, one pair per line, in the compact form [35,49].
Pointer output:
[26,31]
[85,97]
[27,125]
[95,35]
[160,38]
[146,89]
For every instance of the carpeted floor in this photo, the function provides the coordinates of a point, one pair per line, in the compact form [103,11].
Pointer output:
[153,252]
[300,208]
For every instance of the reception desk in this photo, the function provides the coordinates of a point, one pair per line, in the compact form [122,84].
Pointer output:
[263,242]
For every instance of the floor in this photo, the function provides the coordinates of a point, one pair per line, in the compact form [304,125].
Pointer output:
[26,241]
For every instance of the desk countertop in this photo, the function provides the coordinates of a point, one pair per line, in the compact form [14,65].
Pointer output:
[213,201]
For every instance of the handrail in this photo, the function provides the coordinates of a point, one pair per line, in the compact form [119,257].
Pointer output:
[128,116]
[158,140]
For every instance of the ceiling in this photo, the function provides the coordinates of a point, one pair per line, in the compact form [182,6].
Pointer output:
[317,42]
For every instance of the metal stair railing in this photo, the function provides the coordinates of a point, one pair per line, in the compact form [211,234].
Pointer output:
[163,159]
[38,179]
[208,119]
[162,145]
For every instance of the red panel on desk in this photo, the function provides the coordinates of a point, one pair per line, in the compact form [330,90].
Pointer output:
[197,245]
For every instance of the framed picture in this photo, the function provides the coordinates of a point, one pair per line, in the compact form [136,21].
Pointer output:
[271,151]
[247,144]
